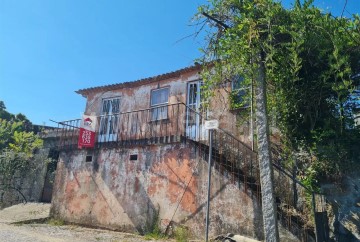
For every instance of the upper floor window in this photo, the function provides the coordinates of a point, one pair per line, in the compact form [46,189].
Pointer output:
[239,96]
[158,103]
[110,106]
[109,116]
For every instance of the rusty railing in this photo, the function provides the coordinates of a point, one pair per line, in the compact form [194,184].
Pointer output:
[161,124]
[233,158]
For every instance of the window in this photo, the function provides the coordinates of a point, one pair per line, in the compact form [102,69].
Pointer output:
[133,157]
[88,158]
[158,103]
[239,93]
[109,119]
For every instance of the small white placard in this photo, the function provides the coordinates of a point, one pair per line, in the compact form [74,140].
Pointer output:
[212,124]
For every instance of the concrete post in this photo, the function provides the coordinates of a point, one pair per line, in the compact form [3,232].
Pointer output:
[266,172]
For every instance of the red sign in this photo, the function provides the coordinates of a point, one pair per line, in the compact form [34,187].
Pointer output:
[86,138]
[87,132]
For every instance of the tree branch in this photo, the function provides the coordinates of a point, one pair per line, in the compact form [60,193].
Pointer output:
[225,26]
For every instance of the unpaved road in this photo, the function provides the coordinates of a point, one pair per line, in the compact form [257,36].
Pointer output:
[33,232]
[14,228]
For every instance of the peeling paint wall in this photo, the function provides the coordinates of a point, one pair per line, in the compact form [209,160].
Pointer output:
[138,98]
[115,192]
[229,120]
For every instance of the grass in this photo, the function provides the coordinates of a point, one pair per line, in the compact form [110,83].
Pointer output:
[153,230]
[181,234]
[56,222]
[154,236]
[155,233]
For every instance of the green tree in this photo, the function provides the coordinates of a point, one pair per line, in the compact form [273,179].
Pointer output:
[5,114]
[7,130]
[2,106]
[17,147]
[312,67]
[302,64]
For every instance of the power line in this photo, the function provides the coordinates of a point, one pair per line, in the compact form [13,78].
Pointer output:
[344,8]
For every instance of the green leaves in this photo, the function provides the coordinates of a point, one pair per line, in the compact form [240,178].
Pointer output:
[17,147]
[11,164]
[309,59]
[7,129]
[25,142]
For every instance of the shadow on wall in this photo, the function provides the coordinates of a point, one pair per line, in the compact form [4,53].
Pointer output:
[115,192]
[123,179]
[26,185]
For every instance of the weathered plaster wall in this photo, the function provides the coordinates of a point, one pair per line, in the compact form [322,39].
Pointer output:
[229,120]
[118,193]
[138,98]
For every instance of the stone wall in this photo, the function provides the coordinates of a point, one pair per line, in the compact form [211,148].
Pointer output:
[123,188]
[344,209]
[28,183]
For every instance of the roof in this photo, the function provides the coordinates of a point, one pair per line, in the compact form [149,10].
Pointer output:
[140,82]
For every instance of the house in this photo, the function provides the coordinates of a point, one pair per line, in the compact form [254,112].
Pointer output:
[150,157]
[150,160]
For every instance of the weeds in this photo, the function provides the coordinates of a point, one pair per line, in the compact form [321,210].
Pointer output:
[56,222]
[153,230]
[181,234]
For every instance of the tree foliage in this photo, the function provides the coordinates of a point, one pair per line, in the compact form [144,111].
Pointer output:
[18,145]
[311,60]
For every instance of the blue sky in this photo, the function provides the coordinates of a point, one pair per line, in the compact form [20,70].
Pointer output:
[49,49]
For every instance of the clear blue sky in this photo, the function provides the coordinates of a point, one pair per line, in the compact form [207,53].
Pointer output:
[49,49]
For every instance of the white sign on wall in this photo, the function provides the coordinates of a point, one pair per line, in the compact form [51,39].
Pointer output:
[211,124]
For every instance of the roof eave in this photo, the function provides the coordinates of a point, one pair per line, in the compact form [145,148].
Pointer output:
[85,92]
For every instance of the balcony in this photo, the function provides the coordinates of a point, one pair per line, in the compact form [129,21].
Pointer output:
[232,158]
[157,125]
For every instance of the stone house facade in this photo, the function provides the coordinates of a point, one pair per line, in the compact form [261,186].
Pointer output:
[150,161]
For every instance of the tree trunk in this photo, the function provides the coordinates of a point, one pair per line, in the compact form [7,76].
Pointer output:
[266,171]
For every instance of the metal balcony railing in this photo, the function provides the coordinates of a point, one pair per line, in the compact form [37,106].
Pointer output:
[232,158]
[161,124]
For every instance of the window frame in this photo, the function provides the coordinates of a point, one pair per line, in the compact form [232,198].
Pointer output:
[108,121]
[238,93]
[159,110]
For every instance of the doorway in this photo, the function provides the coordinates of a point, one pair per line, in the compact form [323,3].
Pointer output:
[194,127]
[109,120]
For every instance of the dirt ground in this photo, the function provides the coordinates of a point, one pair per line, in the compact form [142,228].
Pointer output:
[26,223]
[13,227]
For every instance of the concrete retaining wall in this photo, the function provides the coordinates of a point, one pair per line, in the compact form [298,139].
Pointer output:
[28,183]
[117,191]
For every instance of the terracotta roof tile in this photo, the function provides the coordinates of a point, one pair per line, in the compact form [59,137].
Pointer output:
[144,81]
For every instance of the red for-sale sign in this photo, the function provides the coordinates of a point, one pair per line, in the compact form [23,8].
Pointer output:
[87,132]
